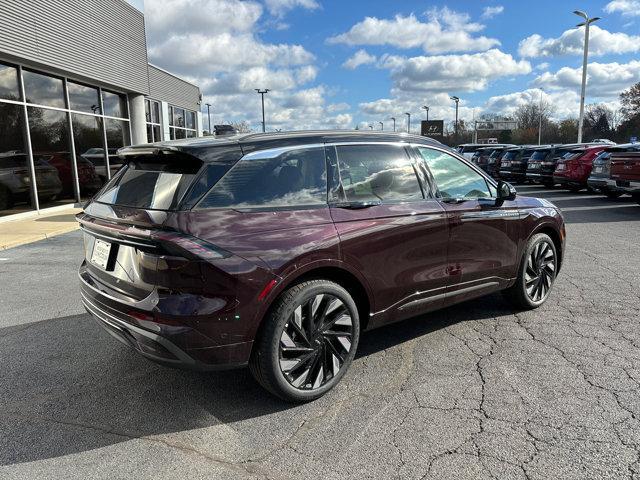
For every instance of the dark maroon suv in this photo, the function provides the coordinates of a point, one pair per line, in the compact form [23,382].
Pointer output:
[277,250]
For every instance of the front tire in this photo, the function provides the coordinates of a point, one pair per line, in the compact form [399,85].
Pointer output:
[612,194]
[536,274]
[308,341]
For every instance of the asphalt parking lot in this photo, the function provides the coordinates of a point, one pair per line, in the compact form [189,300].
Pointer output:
[475,391]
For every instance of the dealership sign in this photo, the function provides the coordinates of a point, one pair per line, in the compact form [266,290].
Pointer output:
[432,128]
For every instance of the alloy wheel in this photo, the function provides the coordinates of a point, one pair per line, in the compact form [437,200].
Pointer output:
[315,342]
[540,272]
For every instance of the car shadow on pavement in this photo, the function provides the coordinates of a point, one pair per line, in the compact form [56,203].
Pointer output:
[67,387]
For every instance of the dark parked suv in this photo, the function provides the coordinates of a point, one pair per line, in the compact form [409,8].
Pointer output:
[277,250]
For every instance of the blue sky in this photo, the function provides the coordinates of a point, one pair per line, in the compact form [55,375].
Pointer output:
[340,64]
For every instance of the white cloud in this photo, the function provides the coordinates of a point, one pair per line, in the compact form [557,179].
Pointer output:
[280,7]
[490,12]
[604,80]
[542,66]
[361,57]
[565,103]
[629,8]
[215,44]
[452,73]
[445,31]
[571,42]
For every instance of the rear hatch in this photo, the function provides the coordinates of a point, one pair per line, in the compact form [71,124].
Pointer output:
[130,239]
[625,166]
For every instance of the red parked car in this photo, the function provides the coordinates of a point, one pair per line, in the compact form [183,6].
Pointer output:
[277,250]
[625,171]
[573,169]
[87,177]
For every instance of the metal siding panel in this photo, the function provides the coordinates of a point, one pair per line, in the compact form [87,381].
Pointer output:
[169,88]
[97,39]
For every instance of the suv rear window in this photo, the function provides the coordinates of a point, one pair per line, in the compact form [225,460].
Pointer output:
[296,178]
[540,155]
[152,182]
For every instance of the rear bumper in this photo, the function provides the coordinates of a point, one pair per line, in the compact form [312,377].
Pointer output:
[602,183]
[539,177]
[512,175]
[628,186]
[176,345]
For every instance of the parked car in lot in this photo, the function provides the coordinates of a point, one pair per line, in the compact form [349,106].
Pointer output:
[277,250]
[88,179]
[495,159]
[97,158]
[542,162]
[625,171]
[15,179]
[513,164]
[573,169]
[482,155]
[600,179]
[468,149]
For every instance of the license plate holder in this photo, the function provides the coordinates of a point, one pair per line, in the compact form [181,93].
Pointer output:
[100,254]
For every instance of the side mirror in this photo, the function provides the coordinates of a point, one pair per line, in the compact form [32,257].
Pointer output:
[506,191]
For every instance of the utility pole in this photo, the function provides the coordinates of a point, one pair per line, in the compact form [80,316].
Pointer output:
[457,100]
[587,22]
[381,126]
[408,121]
[427,109]
[394,123]
[209,116]
[262,92]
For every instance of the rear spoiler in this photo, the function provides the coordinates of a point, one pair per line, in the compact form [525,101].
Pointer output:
[127,152]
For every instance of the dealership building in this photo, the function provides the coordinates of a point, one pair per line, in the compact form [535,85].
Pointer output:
[76,85]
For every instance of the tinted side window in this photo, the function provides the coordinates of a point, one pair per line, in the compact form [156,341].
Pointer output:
[377,173]
[295,178]
[453,178]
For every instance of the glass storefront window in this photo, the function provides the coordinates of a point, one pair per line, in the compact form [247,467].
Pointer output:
[9,89]
[43,90]
[117,137]
[88,142]
[178,117]
[83,98]
[15,173]
[191,119]
[114,104]
[52,159]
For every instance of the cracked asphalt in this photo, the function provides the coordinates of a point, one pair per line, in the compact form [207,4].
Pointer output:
[475,391]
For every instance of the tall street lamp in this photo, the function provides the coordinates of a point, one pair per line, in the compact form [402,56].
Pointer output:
[587,21]
[408,121]
[209,116]
[262,92]
[457,100]
[427,109]
[394,123]
[381,125]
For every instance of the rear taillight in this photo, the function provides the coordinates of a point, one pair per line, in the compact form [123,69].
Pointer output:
[181,244]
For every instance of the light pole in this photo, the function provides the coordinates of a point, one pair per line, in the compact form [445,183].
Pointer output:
[394,123]
[457,100]
[587,21]
[427,109]
[262,92]
[370,126]
[381,125]
[408,121]
[209,116]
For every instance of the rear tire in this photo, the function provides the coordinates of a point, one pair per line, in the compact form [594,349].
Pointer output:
[307,342]
[612,194]
[636,197]
[536,274]
[574,188]
[548,185]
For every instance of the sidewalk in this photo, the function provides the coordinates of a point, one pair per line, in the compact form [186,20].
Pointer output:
[36,227]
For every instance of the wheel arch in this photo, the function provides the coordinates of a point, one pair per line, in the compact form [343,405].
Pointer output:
[337,272]
[552,231]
